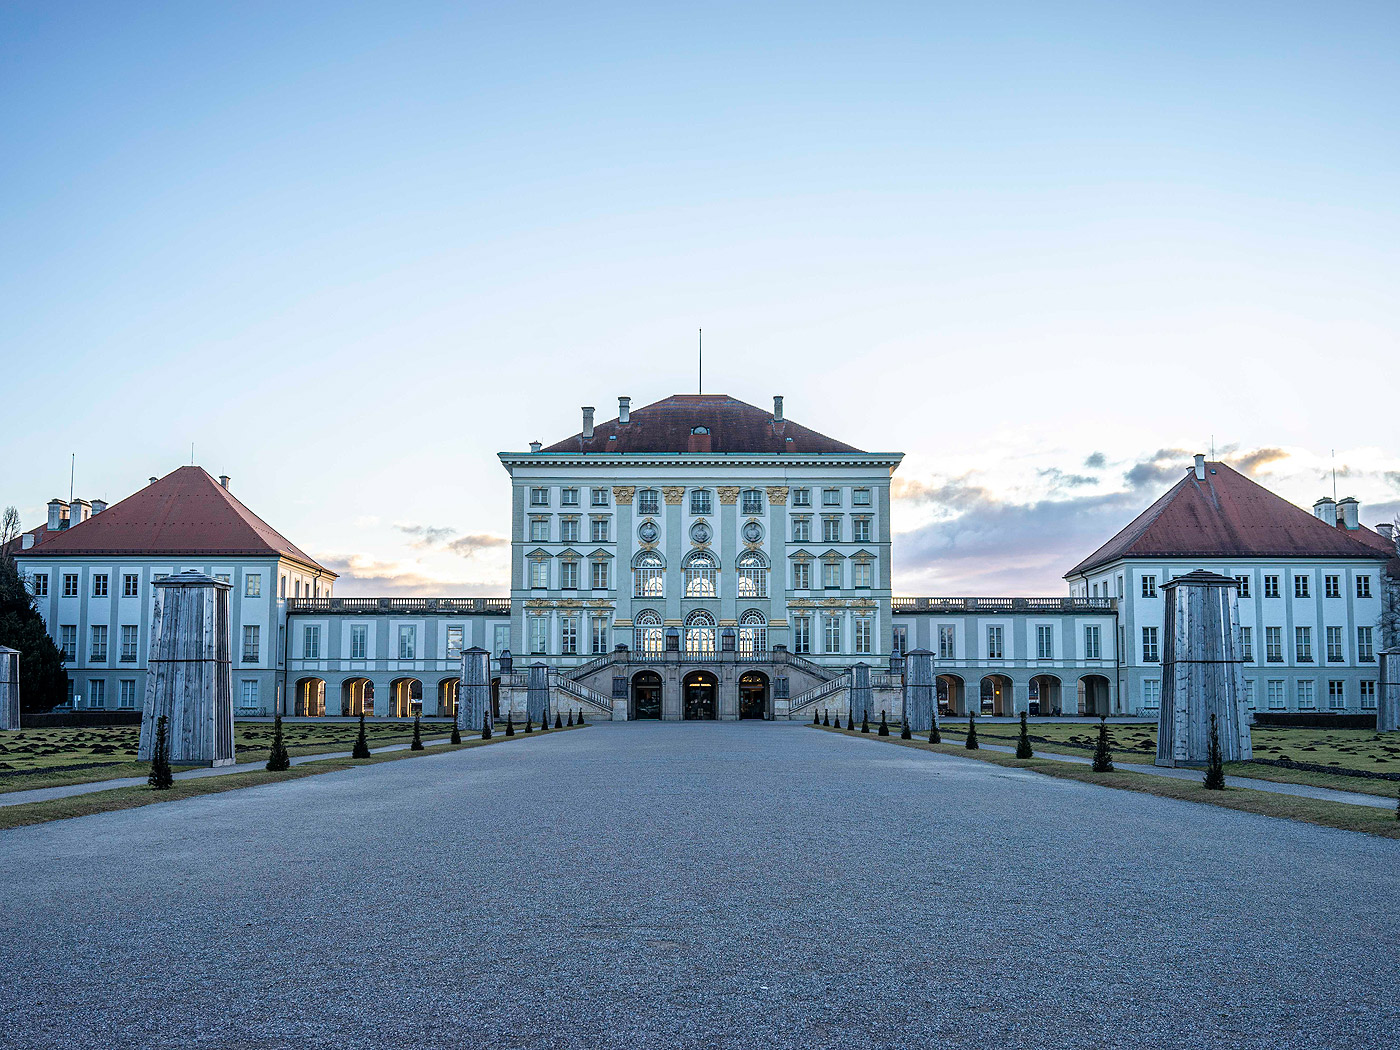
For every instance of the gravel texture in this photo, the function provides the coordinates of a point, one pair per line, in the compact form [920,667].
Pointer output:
[702,885]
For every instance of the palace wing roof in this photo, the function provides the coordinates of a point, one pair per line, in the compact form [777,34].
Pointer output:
[1229,516]
[186,512]
[734,426]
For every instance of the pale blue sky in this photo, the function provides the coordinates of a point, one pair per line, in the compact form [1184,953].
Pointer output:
[352,251]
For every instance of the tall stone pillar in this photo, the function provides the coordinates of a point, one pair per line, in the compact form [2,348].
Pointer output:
[9,688]
[920,690]
[537,693]
[474,690]
[1388,692]
[1202,671]
[189,675]
[860,691]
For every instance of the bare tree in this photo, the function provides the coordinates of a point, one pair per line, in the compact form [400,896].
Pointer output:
[1390,597]
[9,529]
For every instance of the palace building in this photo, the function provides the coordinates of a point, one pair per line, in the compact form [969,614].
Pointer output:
[704,558]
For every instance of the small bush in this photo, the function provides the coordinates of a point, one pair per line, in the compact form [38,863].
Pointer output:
[486,726]
[971,742]
[278,759]
[934,736]
[850,720]
[510,725]
[1103,756]
[571,719]
[865,721]
[360,750]
[580,717]
[528,724]
[826,717]
[417,742]
[884,729]
[904,733]
[456,733]
[558,720]
[161,778]
[1023,742]
[816,718]
[1215,761]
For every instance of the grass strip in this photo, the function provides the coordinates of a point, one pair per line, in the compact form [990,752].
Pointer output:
[131,797]
[1366,819]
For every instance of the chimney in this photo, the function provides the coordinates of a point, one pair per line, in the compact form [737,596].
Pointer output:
[78,512]
[223,480]
[699,440]
[1387,532]
[1325,509]
[1349,513]
[98,506]
[27,542]
[624,410]
[777,408]
[58,515]
[1200,467]
[534,446]
[153,479]
[587,422]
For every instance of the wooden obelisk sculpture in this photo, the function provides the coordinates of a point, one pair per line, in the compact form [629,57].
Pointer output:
[474,690]
[1202,671]
[9,688]
[920,690]
[189,676]
[1388,695]
[537,693]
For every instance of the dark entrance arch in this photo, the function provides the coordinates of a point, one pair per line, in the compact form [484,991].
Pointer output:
[700,694]
[646,695]
[753,695]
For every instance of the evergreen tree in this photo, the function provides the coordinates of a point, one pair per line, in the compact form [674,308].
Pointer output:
[456,733]
[417,743]
[571,718]
[486,726]
[43,682]
[905,734]
[558,720]
[934,736]
[544,721]
[1215,761]
[850,720]
[161,778]
[580,717]
[277,758]
[971,742]
[826,716]
[816,718]
[884,729]
[1103,757]
[865,721]
[510,725]
[361,749]
[1023,743]
[529,727]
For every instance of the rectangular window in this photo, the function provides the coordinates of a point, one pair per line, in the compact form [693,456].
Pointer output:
[863,573]
[539,634]
[701,502]
[408,641]
[99,585]
[1300,586]
[831,574]
[599,530]
[539,573]
[1274,695]
[501,640]
[130,633]
[311,642]
[568,635]
[802,530]
[1150,654]
[600,576]
[1336,695]
[996,650]
[1093,643]
[70,585]
[1044,642]
[568,575]
[359,641]
[252,585]
[1368,696]
[648,502]
[900,643]
[801,576]
[862,629]
[126,693]
[99,642]
[97,692]
[1302,645]
[831,530]
[860,530]
[539,497]
[456,639]
[1249,698]
[947,642]
[1151,693]
[802,634]
[282,587]
[1270,586]
[1247,644]
[751,502]
[1273,645]
[251,643]
[801,497]
[833,634]
[568,530]
[601,497]
[1307,696]
[1332,586]
[860,497]
[131,585]
[1334,645]
[39,585]
[1244,586]
[831,497]
[539,530]
[1365,647]
[1149,586]
[568,497]
[249,696]
[1363,586]
[599,632]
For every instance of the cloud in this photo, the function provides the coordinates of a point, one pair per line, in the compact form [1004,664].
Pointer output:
[466,546]
[1393,477]
[431,537]
[1166,464]
[1256,462]
[425,535]
[362,575]
[1059,479]
[1096,461]
[955,493]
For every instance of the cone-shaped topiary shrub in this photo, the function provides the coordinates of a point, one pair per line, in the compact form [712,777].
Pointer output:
[361,749]
[826,717]
[1215,761]
[417,742]
[1103,757]
[934,736]
[277,758]
[580,717]
[571,719]
[456,733]
[904,733]
[161,778]
[865,721]
[486,726]
[558,720]
[1023,742]
[528,724]
[510,725]
[884,729]
[850,720]
[816,718]
[971,742]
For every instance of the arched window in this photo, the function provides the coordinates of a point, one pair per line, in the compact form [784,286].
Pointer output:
[648,502]
[751,501]
[701,575]
[753,635]
[646,633]
[700,634]
[752,575]
[648,575]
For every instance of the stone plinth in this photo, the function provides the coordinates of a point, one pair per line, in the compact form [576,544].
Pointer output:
[860,692]
[1388,692]
[474,690]
[189,676]
[537,692]
[920,690]
[9,688]
[1202,671]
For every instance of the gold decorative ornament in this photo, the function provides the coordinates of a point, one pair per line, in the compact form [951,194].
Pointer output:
[673,494]
[728,493]
[778,495]
[624,493]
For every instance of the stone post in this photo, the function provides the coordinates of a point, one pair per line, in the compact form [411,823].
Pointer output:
[537,692]
[920,690]
[1202,673]
[189,676]
[474,690]
[9,688]
[1388,692]
[860,691]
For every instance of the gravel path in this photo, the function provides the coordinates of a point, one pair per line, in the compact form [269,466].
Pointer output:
[711,885]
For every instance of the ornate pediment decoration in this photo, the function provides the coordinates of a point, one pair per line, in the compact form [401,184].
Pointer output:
[728,493]
[624,493]
[673,494]
[568,552]
[538,552]
[862,556]
[601,603]
[778,495]
[833,555]
[568,603]
[834,603]
[599,555]
[800,556]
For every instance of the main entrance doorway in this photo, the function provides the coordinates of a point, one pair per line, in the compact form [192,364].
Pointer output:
[753,695]
[700,691]
[646,695]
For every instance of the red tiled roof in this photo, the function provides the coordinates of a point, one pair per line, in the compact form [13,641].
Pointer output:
[1227,516]
[734,426]
[186,512]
